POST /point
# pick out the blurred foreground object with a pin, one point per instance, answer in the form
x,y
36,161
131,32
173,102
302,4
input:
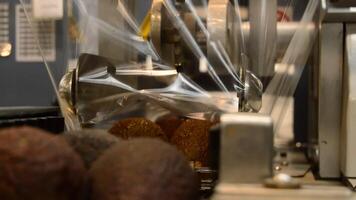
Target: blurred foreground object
x,y
143,169
37,165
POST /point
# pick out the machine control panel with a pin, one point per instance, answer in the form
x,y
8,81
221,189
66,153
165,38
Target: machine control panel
x,y
23,77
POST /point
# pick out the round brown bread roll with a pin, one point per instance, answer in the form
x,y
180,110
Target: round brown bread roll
x,y
90,143
142,168
137,127
192,138
36,165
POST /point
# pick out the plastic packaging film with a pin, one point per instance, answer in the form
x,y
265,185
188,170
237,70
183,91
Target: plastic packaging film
x,y
172,90
121,70
229,86
115,25
289,71
222,56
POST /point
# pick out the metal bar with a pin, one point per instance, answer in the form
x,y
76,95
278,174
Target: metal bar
x,y
330,92
246,148
263,34
348,137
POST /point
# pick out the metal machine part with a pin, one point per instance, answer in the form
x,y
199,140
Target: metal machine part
x,y
343,3
167,40
334,91
89,100
247,149
282,181
311,191
348,136
221,22
224,27
219,25
263,34
100,89
339,10
24,81
242,133
245,154
330,98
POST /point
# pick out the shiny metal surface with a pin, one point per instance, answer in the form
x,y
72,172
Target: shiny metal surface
x,y
91,99
246,148
309,191
156,23
282,181
247,139
222,26
96,101
66,88
219,23
340,15
100,90
5,49
291,161
253,93
348,137
6,112
343,3
335,13
285,32
263,35
330,98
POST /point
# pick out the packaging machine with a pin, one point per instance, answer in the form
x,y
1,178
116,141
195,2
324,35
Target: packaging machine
x,y
299,53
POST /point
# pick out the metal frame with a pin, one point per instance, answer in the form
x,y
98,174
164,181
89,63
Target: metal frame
x,y
329,95
348,137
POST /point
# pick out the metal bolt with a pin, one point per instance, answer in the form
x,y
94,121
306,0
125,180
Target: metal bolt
x,y
282,181
277,168
299,145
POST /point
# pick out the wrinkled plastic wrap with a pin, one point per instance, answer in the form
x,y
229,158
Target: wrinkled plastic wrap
x,y
145,77
120,72
123,68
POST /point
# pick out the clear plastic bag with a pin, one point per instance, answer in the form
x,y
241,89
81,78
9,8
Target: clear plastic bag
x,y
181,93
191,58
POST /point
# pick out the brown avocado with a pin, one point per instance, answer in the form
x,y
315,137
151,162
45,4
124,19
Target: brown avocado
x,y
90,143
37,165
143,168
